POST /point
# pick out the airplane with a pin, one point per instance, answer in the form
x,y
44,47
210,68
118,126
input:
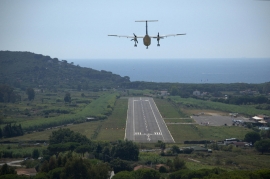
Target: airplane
x,y
146,38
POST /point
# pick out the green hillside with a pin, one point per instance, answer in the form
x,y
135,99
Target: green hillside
x,y
26,69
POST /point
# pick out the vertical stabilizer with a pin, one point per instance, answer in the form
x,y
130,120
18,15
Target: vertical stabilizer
x,y
146,23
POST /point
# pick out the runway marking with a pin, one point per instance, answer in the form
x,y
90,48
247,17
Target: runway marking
x,y
164,123
133,122
156,119
148,137
145,133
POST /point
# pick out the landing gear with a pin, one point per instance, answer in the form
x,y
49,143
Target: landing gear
x,y
158,41
146,47
135,45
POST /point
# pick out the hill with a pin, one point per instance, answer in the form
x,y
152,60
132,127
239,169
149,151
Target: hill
x,y
26,69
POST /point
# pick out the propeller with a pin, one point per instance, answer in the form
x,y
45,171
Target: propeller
x,y
135,38
158,38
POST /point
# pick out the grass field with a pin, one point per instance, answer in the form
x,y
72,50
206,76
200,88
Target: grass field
x,y
114,127
247,110
99,107
168,110
108,130
184,132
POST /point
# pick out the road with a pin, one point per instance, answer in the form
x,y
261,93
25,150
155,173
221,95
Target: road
x,y
13,163
144,122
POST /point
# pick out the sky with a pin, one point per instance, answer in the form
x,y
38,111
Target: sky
x,y
68,29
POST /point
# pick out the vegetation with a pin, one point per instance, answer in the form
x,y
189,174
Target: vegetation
x,y
263,145
203,104
252,137
39,94
24,69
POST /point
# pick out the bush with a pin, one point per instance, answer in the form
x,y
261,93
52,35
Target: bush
x,y
162,169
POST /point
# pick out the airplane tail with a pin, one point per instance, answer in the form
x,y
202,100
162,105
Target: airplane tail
x,y
146,23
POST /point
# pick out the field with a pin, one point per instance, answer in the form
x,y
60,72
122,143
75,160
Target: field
x,y
109,129
183,132
190,103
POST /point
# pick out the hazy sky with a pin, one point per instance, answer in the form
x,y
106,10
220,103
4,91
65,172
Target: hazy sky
x,y
68,29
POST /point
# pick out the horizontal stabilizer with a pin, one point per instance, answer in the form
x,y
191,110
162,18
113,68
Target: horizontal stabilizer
x,y
147,21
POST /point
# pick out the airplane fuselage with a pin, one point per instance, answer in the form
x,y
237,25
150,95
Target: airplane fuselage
x,y
146,40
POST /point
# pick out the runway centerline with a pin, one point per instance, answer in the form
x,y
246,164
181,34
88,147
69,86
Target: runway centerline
x,y
144,122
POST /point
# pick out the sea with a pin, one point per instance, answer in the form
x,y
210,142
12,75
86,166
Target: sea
x,y
242,70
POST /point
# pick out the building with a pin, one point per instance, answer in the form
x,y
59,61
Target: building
x,y
164,93
26,171
196,93
261,119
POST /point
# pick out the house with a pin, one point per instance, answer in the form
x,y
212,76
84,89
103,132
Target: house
x,y
164,93
241,144
261,119
26,171
196,93
141,166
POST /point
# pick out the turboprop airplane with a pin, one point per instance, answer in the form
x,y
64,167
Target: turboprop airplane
x,y
146,38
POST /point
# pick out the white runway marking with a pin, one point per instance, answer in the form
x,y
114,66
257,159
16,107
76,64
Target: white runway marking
x,y
144,123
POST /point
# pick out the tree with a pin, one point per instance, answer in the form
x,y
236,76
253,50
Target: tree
x,y
125,150
162,169
262,145
178,163
31,94
45,166
82,149
146,174
5,169
35,154
175,149
67,135
174,91
52,163
67,98
161,145
120,165
123,175
252,137
79,168
12,131
75,168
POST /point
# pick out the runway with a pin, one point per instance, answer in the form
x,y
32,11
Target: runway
x,y
144,122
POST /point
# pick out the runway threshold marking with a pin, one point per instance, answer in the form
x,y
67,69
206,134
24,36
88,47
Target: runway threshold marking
x,y
156,119
148,134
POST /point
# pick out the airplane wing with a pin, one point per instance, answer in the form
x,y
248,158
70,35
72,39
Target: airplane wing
x,y
126,36
169,35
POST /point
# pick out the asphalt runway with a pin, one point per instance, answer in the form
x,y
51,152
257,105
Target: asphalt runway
x,y
144,122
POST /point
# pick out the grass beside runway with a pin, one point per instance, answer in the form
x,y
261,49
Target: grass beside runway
x,y
183,132
116,120
114,127
168,110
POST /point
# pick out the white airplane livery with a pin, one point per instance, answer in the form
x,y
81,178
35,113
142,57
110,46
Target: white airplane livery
x,y
146,38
